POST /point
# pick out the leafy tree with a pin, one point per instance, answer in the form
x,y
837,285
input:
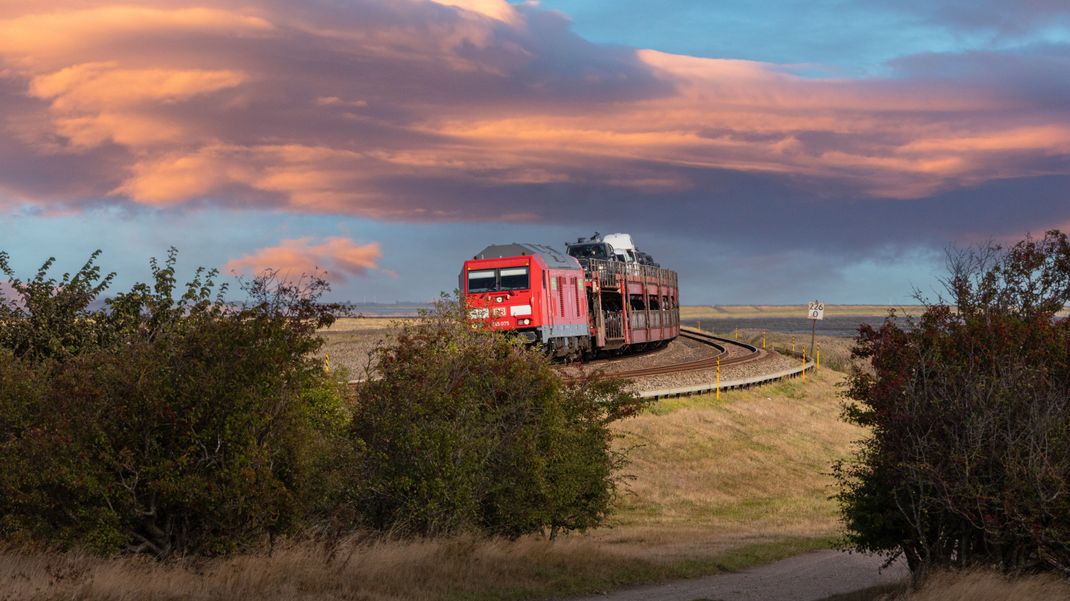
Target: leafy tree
x,y
468,429
52,318
969,408
171,422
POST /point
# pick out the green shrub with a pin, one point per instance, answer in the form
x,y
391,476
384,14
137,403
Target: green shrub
x,y
182,424
52,318
467,429
173,422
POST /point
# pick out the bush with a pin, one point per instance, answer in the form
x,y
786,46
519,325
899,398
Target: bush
x,y
468,429
172,422
52,318
164,423
969,406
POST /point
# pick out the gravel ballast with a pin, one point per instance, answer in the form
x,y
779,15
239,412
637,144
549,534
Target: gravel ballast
x,y
350,350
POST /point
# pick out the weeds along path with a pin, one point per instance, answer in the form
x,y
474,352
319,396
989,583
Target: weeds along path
x,y
809,577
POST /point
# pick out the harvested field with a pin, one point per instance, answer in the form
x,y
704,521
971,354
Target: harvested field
x,y
350,341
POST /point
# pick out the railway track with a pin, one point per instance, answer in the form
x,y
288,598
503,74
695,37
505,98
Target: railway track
x,y
723,356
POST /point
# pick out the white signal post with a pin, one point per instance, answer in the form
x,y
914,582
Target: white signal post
x,y
815,312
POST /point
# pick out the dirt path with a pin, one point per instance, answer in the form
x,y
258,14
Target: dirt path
x,y
807,577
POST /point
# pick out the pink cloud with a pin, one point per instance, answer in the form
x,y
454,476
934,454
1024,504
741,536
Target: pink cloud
x,y
495,9
420,110
341,258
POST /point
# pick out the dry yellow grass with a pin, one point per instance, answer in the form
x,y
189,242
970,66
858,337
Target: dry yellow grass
x,y
386,570
756,461
716,484
835,350
989,586
414,570
358,324
799,310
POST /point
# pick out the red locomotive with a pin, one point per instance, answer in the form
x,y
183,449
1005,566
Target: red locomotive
x,y
603,295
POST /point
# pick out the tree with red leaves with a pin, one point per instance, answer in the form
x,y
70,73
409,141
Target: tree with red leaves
x,y
969,408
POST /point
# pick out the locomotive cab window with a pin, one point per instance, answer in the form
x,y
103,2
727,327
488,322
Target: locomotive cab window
x,y
483,280
514,278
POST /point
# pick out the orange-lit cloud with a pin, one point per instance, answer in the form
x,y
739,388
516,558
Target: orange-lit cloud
x,y
38,34
341,258
435,110
495,9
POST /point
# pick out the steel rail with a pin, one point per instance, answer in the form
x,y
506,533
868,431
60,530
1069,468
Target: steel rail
x,y
721,357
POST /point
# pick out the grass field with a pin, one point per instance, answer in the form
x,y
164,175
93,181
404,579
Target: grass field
x,y
363,324
714,485
758,459
759,311
768,311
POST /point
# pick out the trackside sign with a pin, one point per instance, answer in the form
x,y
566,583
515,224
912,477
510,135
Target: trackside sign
x,y
816,310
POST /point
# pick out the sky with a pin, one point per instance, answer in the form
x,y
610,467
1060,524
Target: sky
x,y
770,152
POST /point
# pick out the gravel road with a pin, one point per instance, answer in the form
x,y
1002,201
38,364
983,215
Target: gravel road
x,y
807,577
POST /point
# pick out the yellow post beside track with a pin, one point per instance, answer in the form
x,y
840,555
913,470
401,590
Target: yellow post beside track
x,y
717,386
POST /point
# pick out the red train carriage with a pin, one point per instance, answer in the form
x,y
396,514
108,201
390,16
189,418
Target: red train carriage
x,y
633,306
572,305
532,289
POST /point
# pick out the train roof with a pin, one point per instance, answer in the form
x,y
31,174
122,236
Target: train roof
x,y
550,256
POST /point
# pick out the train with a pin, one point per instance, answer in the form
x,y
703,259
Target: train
x,y
601,296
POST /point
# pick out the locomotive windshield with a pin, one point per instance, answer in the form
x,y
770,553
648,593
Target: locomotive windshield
x,y
590,251
484,280
514,278
494,280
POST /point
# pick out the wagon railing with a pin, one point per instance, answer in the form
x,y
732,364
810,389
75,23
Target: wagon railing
x,y
614,324
637,321
609,274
